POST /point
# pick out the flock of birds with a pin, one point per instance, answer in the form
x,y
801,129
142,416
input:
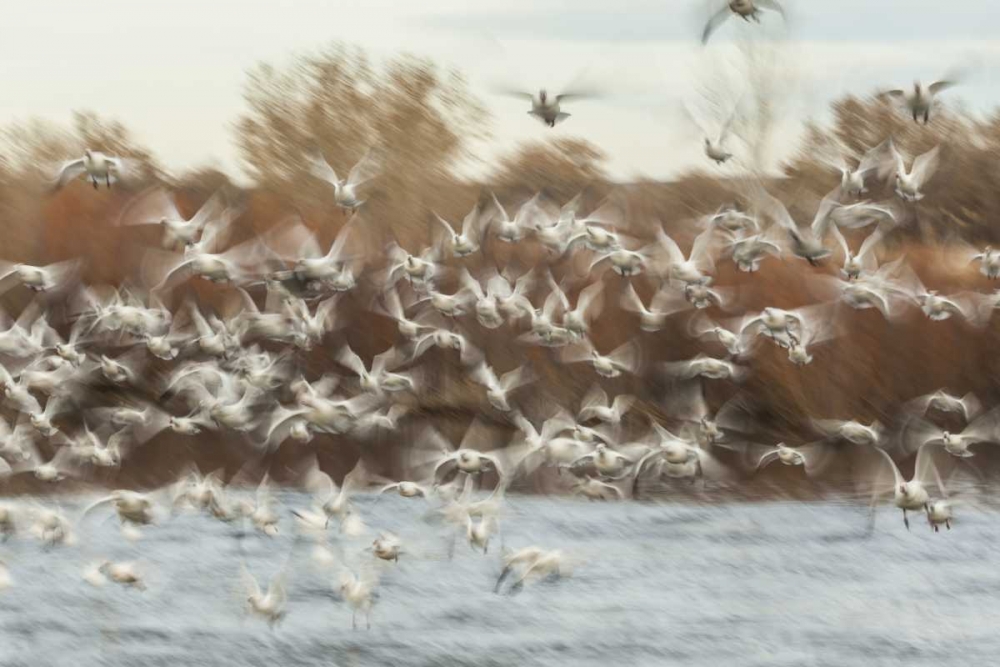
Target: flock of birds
x,y
91,374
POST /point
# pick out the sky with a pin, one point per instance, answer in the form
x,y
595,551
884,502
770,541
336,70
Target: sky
x,y
174,72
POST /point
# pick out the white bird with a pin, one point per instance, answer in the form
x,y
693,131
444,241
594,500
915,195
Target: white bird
x,y
97,166
157,207
488,300
124,573
512,230
748,10
748,252
589,304
702,365
909,184
358,590
498,389
989,261
921,100
532,564
854,181
49,278
269,605
468,457
595,405
665,302
714,147
345,191
813,458
467,241
806,241
626,358
547,108
968,406
982,429
852,431
698,265
864,260
908,495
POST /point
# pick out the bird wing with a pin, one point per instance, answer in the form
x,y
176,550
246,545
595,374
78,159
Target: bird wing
x,y
365,170
248,582
595,397
821,222
925,165
674,254
320,168
714,21
770,4
69,170
939,86
349,359
148,207
627,355
702,249
841,241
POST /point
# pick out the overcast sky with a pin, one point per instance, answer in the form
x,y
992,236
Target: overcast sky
x,y
174,72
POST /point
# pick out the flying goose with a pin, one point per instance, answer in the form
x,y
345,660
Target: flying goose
x,y
746,9
97,167
345,190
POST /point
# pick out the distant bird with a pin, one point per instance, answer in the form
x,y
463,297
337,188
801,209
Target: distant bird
x,y
714,144
921,100
548,108
745,9
97,166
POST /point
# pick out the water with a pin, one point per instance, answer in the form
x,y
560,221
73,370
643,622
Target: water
x,y
769,583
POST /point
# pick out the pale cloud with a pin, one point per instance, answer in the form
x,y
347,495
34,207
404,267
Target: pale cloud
x,y
175,73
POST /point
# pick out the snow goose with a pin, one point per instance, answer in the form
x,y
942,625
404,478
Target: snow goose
x,y
908,495
806,241
512,230
345,190
921,99
626,358
909,184
268,605
498,389
548,108
968,406
98,167
813,458
467,241
595,405
156,207
982,429
665,302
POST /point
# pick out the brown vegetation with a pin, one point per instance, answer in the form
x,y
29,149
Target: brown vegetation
x,y
424,122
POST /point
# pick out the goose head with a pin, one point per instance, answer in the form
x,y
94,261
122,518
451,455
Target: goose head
x,y
543,96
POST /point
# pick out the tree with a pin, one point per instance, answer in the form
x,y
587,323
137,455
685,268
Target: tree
x,y
418,119
561,168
